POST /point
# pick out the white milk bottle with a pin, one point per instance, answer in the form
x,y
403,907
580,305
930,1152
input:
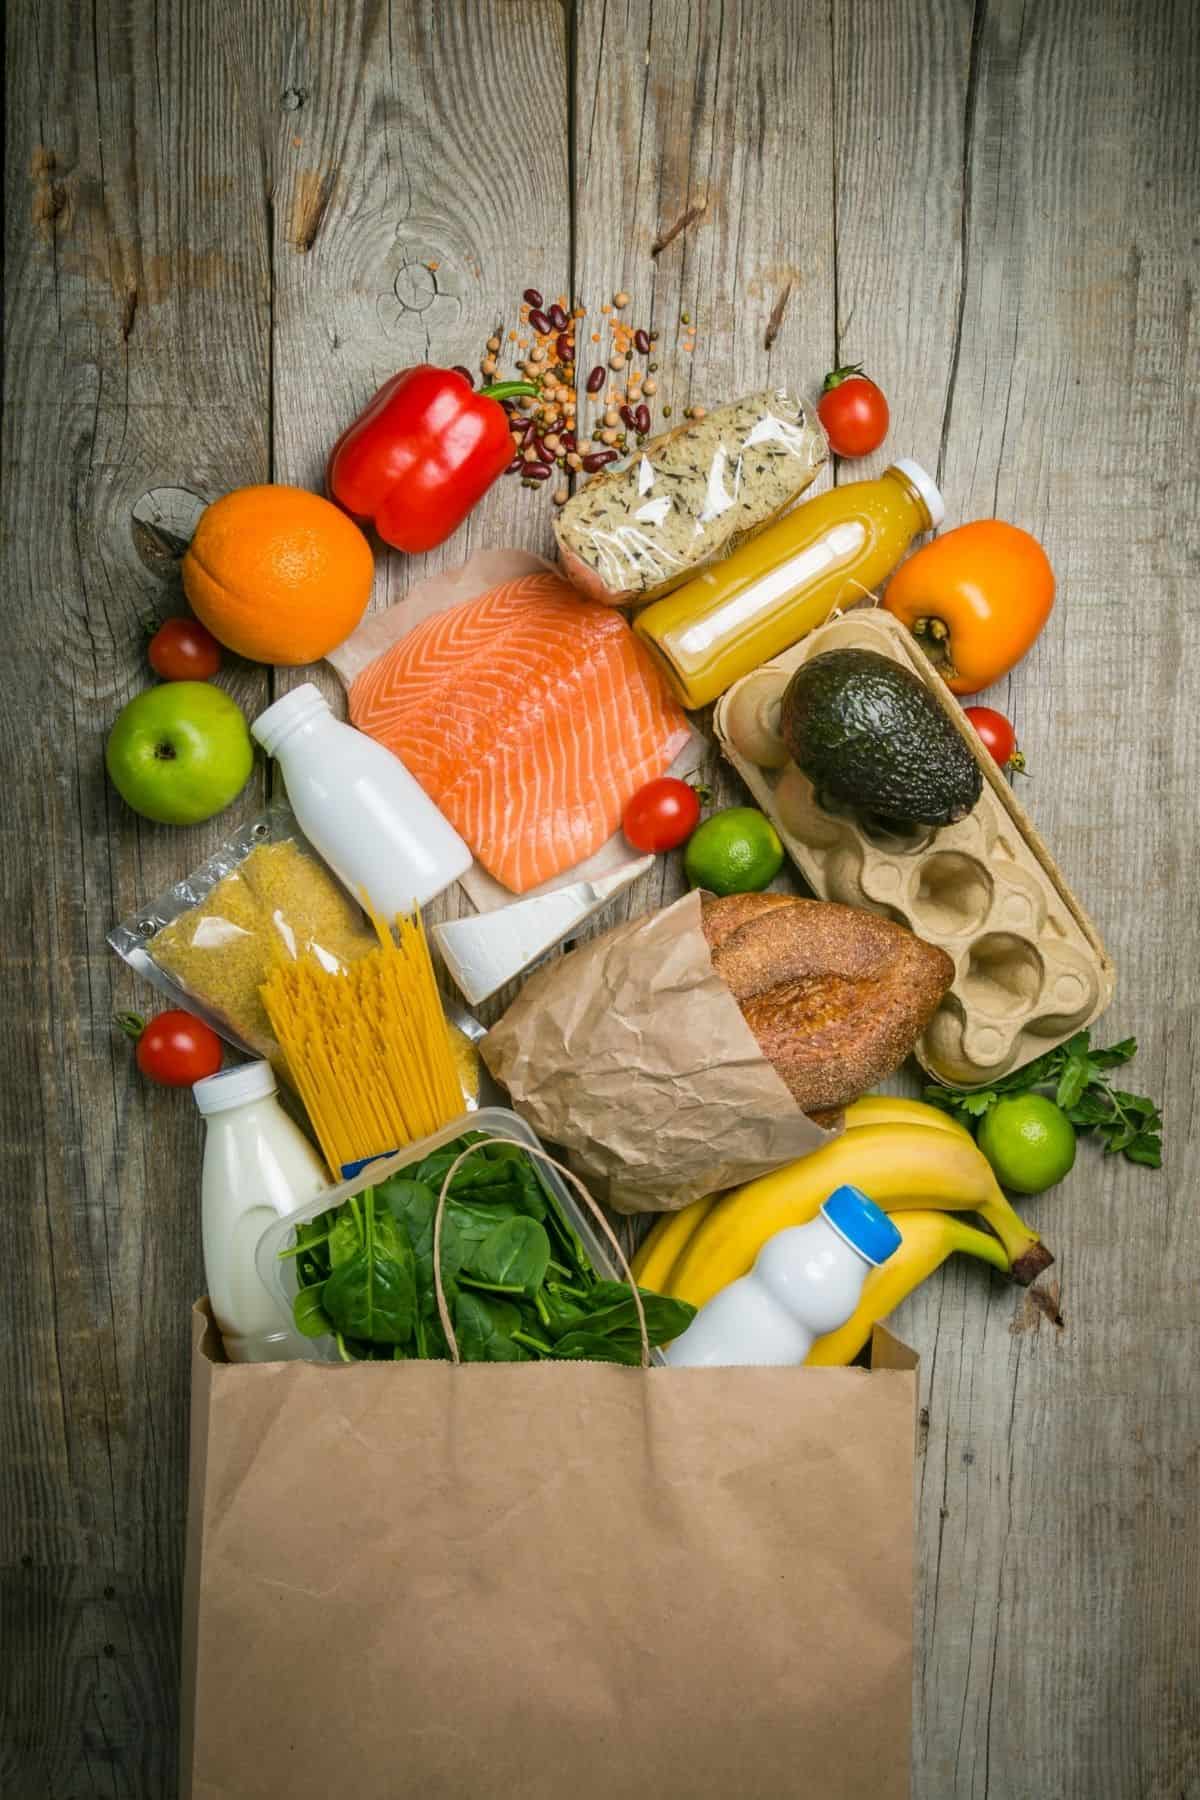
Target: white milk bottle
x,y
257,1164
806,1281
358,805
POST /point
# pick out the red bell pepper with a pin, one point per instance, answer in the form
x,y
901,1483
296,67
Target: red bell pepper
x,y
425,450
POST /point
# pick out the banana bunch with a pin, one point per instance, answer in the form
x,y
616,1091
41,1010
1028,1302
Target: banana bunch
x,y
916,1162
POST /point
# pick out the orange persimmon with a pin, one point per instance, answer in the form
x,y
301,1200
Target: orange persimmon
x,y
975,599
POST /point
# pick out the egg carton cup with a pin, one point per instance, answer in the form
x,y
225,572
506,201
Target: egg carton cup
x,y
1029,966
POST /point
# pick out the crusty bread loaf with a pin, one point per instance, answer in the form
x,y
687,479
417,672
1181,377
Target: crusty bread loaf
x,y
835,996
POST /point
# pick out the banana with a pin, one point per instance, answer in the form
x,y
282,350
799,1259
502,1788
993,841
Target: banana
x,y
893,1109
928,1239
659,1251
902,1167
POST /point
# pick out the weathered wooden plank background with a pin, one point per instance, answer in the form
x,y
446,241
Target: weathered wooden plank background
x,y
218,220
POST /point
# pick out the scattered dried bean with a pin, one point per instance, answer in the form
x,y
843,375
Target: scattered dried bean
x,y
642,341
532,296
537,471
599,460
595,380
558,317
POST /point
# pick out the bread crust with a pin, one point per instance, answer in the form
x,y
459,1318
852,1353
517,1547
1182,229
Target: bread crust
x,y
836,997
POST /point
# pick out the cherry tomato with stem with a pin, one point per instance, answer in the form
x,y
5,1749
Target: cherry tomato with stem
x,y
999,738
184,650
174,1049
854,411
662,815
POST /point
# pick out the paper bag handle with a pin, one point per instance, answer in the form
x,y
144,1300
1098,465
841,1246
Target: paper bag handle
x,y
581,1190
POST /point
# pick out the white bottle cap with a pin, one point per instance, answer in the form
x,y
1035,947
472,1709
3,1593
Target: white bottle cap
x,y
280,720
234,1087
924,483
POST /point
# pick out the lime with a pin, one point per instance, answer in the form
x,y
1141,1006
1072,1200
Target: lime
x,y
1029,1142
735,852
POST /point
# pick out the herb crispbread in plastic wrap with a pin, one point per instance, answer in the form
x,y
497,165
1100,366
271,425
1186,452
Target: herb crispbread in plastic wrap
x,y
683,499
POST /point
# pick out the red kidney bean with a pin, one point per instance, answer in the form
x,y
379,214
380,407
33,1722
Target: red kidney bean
x,y
595,380
564,349
641,419
537,471
543,454
558,317
628,418
540,322
517,462
641,341
568,440
599,460
532,296
457,369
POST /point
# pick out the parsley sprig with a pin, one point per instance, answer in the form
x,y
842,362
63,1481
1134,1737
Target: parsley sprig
x,y
1128,1124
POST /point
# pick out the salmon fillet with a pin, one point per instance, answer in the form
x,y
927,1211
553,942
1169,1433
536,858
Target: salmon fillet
x,y
531,717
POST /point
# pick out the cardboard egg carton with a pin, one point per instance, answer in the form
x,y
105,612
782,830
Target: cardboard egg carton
x,y
1029,966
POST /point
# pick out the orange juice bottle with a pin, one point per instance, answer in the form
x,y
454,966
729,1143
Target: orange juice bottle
x,y
784,582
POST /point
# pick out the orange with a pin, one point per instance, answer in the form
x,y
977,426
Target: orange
x,y
278,574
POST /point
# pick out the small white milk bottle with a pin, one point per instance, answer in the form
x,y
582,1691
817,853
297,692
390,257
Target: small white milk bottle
x,y
806,1281
257,1164
358,805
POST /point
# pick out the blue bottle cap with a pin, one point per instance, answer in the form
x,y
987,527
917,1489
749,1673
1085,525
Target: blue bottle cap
x,y
865,1226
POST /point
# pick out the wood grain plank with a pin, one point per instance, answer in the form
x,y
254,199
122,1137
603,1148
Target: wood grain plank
x,y
703,186
1017,258
421,186
136,359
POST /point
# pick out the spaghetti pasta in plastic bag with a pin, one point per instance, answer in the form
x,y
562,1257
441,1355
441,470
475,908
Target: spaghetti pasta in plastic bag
x,y
213,938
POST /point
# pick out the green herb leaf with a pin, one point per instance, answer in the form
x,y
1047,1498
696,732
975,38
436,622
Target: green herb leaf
x,y
1127,1124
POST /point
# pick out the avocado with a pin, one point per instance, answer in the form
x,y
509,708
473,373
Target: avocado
x,y
866,731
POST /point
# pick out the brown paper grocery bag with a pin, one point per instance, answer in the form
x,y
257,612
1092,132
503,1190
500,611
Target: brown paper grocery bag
x,y
546,1580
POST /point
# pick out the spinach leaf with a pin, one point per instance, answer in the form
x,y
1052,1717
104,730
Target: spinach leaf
x,y
309,1316
560,1312
346,1236
484,1330
463,1230
372,1294
589,1346
413,1205
514,1254
612,1317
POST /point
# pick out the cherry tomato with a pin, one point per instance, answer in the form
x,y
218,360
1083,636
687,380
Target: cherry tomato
x,y
184,650
174,1048
975,600
853,411
999,738
662,815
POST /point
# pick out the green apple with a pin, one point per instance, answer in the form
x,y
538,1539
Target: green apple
x,y
180,753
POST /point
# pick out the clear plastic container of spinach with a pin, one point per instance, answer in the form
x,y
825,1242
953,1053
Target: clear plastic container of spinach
x,y
526,1276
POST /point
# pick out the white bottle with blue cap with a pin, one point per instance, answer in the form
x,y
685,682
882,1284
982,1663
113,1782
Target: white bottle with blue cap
x,y
806,1281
